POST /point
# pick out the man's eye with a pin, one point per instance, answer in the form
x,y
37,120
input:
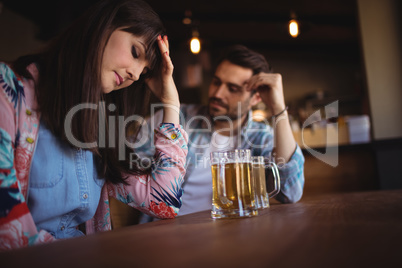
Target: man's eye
x,y
233,89
134,52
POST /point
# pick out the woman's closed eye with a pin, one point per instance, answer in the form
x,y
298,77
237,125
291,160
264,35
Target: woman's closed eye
x,y
134,52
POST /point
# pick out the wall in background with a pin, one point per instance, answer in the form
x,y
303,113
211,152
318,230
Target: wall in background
x,y
381,37
17,35
309,72
381,44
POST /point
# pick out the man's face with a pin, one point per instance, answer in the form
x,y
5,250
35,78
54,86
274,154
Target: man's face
x,y
228,90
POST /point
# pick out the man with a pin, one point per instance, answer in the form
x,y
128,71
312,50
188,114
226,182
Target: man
x,y
242,79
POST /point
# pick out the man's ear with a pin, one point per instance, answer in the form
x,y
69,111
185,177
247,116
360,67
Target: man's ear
x,y
255,99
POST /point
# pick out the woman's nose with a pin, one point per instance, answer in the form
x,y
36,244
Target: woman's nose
x,y
135,73
132,74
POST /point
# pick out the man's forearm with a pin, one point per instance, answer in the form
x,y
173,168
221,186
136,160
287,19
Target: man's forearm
x,y
285,143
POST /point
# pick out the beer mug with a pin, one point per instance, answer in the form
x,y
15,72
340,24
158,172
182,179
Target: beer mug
x,y
259,167
233,192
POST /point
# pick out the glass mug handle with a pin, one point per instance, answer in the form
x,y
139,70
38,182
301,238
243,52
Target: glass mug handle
x,y
277,179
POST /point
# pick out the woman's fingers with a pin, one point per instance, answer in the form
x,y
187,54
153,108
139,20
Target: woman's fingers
x,y
165,39
167,65
168,62
160,44
163,44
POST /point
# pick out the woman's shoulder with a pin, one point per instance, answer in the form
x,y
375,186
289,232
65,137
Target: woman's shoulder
x,y
7,75
16,88
11,84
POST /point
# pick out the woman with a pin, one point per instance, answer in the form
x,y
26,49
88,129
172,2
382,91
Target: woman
x,y
63,123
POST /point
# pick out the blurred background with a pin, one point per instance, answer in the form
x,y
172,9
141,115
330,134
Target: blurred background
x,y
347,53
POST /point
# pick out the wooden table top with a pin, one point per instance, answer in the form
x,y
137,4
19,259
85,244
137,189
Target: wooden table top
x,y
362,229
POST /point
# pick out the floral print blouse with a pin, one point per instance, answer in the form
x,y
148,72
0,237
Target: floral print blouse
x,y
157,194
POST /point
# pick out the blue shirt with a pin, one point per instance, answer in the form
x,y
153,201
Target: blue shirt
x,y
64,187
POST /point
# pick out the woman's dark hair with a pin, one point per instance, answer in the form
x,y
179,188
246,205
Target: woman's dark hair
x,y
70,74
245,57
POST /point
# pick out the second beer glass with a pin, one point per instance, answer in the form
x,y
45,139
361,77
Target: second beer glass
x,y
259,174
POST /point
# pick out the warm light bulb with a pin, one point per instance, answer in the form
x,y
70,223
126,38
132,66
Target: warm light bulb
x,y
195,45
293,28
187,21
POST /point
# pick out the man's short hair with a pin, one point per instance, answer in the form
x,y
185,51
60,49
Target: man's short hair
x,y
247,58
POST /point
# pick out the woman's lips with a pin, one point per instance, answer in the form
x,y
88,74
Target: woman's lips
x,y
119,79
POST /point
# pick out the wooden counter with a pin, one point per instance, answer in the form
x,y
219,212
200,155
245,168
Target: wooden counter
x,y
359,229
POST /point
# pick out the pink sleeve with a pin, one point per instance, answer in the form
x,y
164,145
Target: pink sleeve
x,y
17,228
158,193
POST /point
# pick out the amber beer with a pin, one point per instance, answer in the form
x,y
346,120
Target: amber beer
x,y
259,167
234,192
260,185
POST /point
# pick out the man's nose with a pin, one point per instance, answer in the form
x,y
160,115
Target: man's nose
x,y
220,91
